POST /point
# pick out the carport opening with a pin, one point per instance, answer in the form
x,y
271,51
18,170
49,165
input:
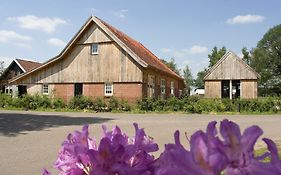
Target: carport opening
x,y
230,89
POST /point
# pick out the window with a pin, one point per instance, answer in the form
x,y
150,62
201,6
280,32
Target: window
x,y
108,89
172,88
163,86
45,89
94,49
78,89
151,86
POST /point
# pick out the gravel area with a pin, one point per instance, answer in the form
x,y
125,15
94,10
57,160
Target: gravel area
x,y
29,141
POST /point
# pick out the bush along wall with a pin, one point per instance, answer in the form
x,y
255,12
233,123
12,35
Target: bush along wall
x,y
191,104
34,102
195,104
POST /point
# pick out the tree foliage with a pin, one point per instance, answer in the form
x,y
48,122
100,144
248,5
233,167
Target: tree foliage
x,y
266,60
215,55
271,45
199,82
188,79
172,65
246,55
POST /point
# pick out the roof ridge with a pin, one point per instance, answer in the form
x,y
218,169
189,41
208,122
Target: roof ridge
x,y
132,41
20,59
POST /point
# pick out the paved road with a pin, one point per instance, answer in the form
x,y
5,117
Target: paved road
x,y
30,141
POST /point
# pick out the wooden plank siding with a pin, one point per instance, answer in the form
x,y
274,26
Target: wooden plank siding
x,y
231,68
111,64
213,89
249,89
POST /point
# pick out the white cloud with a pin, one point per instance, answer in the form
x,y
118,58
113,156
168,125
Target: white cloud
x,y
48,25
9,36
121,13
196,49
245,19
56,42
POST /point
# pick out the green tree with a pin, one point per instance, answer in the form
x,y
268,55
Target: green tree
x,y
246,55
215,55
199,81
172,65
188,79
266,60
271,44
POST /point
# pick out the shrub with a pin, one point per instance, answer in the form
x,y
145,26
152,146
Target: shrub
x,y
174,104
146,104
5,100
58,103
113,104
81,102
99,105
124,105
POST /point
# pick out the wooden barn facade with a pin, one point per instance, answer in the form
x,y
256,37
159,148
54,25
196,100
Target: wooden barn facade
x,y
101,61
231,78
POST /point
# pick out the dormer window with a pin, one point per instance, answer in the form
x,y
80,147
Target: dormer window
x,y
94,49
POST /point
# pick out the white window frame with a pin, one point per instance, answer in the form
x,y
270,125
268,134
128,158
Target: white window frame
x,y
45,89
107,87
94,49
163,86
172,88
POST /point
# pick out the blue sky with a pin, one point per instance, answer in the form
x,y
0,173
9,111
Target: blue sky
x,y
181,29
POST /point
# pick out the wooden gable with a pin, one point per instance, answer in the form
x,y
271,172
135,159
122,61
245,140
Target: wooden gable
x,y
78,65
231,67
121,59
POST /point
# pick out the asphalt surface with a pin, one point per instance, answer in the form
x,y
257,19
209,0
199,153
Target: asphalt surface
x,y
29,141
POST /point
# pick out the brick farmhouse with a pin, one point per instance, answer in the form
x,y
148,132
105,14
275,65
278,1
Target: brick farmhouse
x,y
101,61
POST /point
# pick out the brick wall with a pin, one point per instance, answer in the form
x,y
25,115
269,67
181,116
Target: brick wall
x,y
64,91
93,90
127,91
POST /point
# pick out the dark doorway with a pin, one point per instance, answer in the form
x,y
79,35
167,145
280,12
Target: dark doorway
x,y
22,90
225,89
78,89
235,89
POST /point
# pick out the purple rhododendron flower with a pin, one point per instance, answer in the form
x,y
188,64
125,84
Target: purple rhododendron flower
x,y
275,161
231,153
116,154
204,158
240,150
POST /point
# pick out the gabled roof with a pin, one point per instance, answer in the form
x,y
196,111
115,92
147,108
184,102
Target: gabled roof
x,y
136,50
27,65
246,67
24,65
140,50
